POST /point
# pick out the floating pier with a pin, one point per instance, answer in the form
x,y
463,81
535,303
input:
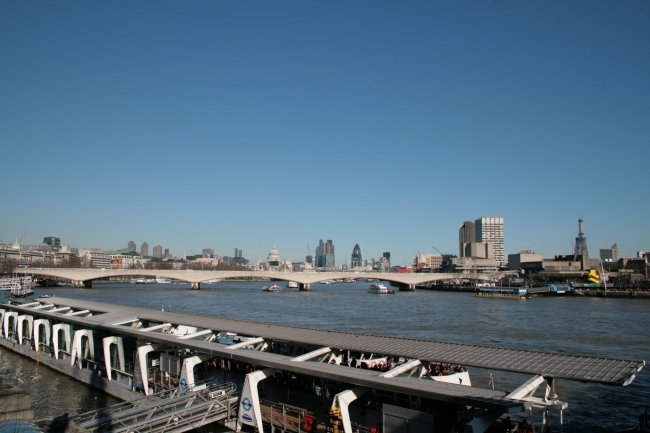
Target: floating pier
x,y
134,352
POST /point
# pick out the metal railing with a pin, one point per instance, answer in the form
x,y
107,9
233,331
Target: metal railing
x,y
287,418
172,411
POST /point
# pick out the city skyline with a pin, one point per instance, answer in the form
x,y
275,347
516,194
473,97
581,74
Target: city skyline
x,y
466,233
225,125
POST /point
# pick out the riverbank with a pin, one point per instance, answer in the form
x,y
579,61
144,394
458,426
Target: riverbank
x,y
638,294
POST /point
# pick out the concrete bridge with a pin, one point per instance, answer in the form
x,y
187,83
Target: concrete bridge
x,y
84,277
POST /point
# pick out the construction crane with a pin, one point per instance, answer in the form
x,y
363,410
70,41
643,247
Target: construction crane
x,y
438,251
21,238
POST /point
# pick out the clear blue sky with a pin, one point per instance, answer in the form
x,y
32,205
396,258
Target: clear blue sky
x,y
243,124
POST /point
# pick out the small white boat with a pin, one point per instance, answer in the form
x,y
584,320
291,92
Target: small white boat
x,y
46,296
378,289
163,280
272,288
292,285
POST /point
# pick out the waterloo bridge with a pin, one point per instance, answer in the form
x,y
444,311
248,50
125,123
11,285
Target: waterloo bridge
x,y
82,277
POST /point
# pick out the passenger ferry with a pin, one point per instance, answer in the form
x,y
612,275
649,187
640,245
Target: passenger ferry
x,y
292,285
503,293
162,280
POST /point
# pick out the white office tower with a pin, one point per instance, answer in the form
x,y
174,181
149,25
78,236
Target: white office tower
x,y
491,230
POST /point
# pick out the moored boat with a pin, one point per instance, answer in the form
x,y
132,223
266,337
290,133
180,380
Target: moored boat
x,y
163,280
22,292
19,286
292,285
503,293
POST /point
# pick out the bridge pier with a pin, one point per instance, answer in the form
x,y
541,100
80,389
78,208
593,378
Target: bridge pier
x,y
305,287
407,288
85,284
196,286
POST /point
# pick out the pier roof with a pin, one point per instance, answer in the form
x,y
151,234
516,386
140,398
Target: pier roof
x,y
547,364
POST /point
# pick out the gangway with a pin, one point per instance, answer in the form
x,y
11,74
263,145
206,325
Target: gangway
x,y
175,410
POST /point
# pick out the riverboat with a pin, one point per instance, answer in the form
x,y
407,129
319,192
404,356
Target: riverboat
x,y
163,280
272,288
21,287
503,293
46,282
292,285
378,289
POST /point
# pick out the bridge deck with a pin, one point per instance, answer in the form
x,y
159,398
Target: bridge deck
x,y
548,364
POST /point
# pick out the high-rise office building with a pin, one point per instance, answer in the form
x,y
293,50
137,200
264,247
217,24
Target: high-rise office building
x,y
329,255
144,250
325,254
491,230
580,248
157,251
132,246
329,247
238,252
356,260
466,234
167,255
207,252
52,241
386,255
320,254
610,254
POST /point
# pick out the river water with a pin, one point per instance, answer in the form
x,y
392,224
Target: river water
x,y
617,328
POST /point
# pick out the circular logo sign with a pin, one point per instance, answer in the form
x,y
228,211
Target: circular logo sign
x,y
246,404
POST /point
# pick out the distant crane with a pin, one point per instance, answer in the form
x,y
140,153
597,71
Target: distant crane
x,y
438,251
21,238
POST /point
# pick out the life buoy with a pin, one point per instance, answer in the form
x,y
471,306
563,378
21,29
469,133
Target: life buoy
x,y
307,423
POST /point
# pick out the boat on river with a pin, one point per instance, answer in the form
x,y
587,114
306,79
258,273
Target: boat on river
x,y
272,288
21,287
503,293
292,285
378,289
163,280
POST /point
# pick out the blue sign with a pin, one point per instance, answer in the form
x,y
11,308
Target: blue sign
x,y
246,404
183,384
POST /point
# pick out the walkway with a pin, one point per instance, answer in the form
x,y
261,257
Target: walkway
x,y
173,411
